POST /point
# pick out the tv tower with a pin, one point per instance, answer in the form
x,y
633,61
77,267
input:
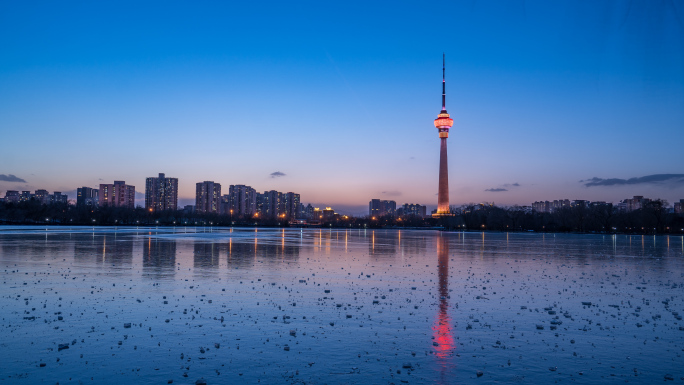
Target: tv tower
x,y
443,124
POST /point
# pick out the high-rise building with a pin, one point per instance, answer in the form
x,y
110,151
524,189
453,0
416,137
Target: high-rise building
x,y
542,206
549,207
161,193
292,204
273,204
224,205
374,208
443,124
559,204
207,197
679,207
86,196
42,196
242,200
260,199
25,196
58,197
410,209
282,205
378,208
118,194
12,196
635,203
309,211
328,214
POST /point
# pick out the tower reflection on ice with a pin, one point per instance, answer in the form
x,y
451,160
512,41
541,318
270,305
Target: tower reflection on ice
x,y
442,332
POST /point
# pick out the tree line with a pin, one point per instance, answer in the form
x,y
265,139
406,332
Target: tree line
x,y
653,218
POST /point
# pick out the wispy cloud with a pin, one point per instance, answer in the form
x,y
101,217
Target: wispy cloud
x,y
11,178
277,174
504,187
392,193
674,179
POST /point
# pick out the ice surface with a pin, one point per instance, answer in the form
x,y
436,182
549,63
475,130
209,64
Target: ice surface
x,y
243,305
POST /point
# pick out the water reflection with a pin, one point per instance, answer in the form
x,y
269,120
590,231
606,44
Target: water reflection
x,y
103,249
442,330
36,246
159,258
206,255
246,254
384,243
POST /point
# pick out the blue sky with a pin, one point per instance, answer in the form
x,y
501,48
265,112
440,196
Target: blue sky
x,y
340,97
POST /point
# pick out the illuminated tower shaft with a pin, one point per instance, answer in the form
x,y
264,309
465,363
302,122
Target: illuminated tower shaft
x,y
443,193
443,124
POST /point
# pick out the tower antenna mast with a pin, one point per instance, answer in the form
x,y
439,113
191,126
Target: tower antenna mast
x,y
443,82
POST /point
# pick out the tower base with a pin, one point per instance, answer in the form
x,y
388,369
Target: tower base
x,y
442,215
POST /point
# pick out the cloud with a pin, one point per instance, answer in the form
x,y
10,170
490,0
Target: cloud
x,y
277,174
139,195
392,193
505,187
648,179
11,178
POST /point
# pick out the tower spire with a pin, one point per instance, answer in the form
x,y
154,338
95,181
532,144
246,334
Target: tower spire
x,y
443,82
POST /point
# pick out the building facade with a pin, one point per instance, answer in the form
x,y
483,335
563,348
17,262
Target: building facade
x,y
378,208
58,197
161,193
551,206
410,209
42,196
118,194
12,196
273,204
242,201
207,197
292,205
86,196
25,196
635,203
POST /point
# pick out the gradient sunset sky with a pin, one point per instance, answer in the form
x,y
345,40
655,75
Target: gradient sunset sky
x,y
335,100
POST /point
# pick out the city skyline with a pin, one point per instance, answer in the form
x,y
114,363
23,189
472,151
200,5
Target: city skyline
x,y
550,101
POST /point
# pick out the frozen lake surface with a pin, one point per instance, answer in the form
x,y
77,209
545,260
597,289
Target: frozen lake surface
x,y
316,306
